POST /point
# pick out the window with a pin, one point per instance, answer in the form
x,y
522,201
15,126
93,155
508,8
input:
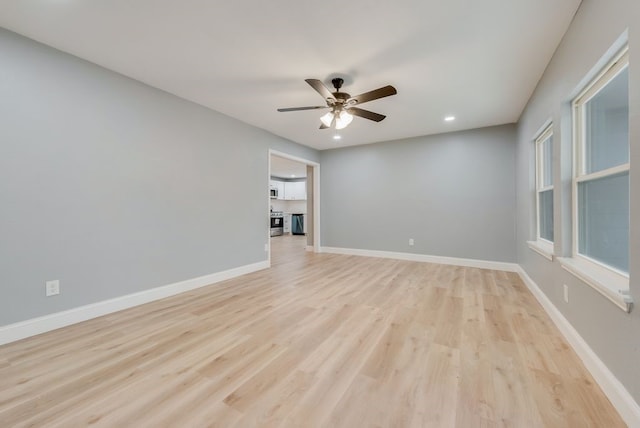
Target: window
x,y
544,185
601,169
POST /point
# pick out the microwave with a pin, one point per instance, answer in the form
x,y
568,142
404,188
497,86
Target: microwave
x,y
273,193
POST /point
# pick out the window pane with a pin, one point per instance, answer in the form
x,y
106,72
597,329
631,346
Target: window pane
x,y
547,165
603,220
545,206
607,125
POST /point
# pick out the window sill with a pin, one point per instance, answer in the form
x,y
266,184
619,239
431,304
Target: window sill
x,y
611,285
542,248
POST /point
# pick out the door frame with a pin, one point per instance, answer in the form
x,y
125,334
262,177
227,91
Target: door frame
x,y
315,197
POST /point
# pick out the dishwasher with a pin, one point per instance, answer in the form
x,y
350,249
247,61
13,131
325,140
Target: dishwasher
x,y
297,224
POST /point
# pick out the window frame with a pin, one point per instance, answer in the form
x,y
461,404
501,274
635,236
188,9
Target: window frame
x,y
607,280
546,134
619,63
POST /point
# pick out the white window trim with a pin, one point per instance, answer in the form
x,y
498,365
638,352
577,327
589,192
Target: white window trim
x,y
541,246
607,280
611,285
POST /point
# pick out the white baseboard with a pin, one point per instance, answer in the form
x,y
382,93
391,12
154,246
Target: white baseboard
x,y
611,386
482,264
23,329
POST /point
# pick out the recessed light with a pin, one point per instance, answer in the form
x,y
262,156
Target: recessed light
x,y
336,137
293,176
450,118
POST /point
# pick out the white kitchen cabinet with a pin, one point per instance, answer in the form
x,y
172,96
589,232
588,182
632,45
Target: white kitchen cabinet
x,y
295,190
281,191
279,185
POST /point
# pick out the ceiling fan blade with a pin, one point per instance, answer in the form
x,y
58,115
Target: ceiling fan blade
x,y
373,95
376,117
301,108
320,88
323,126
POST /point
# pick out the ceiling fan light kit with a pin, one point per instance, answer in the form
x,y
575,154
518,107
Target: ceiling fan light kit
x,y
342,105
327,119
343,119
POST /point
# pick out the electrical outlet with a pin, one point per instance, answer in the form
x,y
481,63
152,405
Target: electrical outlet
x,y
266,248
410,241
566,293
52,287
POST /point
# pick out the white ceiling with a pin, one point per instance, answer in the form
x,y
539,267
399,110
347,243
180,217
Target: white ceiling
x,y
477,60
286,168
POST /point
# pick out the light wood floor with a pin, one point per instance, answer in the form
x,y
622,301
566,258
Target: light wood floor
x,y
318,340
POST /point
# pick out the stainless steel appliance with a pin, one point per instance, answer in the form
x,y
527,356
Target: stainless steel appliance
x,y
277,223
297,224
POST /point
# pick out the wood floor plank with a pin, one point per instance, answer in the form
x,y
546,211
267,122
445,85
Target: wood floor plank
x,y
439,386
551,392
316,340
514,405
448,328
336,371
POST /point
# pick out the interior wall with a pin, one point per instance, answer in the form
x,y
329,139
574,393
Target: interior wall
x,y
453,194
611,333
309,219
114,187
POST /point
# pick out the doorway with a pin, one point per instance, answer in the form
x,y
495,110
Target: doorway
x,y
293,204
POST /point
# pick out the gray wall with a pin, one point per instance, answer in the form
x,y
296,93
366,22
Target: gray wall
x,y
454,194
612,334
114,187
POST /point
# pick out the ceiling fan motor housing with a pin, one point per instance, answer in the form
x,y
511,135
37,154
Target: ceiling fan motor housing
x,y
340,97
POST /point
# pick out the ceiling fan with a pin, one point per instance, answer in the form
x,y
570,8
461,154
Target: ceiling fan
x,y
342,105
